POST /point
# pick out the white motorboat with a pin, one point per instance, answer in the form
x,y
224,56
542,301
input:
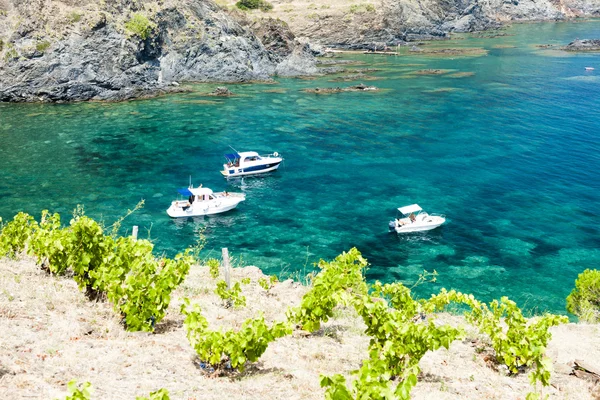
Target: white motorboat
x,y
408,221
203,201
250,163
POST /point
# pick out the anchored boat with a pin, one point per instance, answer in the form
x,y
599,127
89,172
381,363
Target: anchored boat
x,y
250,163
408,221
203,201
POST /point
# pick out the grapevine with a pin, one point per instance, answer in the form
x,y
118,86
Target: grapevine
x,y
221,349
332,286
16,235
230,297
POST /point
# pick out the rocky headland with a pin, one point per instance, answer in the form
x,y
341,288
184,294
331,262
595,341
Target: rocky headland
x,y
71,50
370,24
119,49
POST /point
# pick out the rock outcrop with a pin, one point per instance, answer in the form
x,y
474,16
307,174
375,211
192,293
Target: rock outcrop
x,y
372,24
119,49
583,45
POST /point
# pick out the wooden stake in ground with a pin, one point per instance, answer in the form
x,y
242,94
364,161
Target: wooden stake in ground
x,y
226,267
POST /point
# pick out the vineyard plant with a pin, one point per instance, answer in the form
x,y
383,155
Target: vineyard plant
x,y
401,328
122,269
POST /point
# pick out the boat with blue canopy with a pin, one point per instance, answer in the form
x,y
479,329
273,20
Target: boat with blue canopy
x,y
250,163
203,201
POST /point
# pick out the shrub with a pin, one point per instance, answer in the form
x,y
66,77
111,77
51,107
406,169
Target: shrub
x,y
42,46
584,300
16,234
140,25
74,17
254,5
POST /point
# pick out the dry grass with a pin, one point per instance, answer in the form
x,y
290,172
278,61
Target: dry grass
x,y
51,334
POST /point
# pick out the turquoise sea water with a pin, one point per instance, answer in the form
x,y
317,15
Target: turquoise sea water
x,y
509,153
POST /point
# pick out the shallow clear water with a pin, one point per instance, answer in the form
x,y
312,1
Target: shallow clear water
x,y
509,154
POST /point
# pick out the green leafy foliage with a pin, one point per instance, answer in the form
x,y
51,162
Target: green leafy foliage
x,y
231,297
74,17
89,250
268,284
138,284
213,267
50,244
254,5
333,285
79,393
234,348
246,281
399,339
84,393
42,46
16,235
161,394
140,25
519,343
584,300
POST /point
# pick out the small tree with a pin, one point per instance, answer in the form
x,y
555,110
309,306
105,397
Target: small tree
x,y
584,300
139,25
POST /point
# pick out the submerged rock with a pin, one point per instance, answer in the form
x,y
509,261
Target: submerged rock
x,y
583,45
221,91
357,88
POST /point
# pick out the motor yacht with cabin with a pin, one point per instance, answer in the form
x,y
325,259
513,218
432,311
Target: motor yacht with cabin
x,y
407,221
203,201
250,163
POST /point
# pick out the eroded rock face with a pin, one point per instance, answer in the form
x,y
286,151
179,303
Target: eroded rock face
x,y
393,22
71,51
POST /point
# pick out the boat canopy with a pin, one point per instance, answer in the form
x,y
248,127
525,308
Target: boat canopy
x,y
409,209
232,156
195,191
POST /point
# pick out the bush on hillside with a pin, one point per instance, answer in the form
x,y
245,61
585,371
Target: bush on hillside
x,y
139,25
584,300
254,5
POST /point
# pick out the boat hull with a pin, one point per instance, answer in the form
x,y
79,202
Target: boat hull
x,y
218,206
420,226
250,170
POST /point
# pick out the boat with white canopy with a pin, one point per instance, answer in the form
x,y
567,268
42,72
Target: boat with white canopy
x,y
408,221
203,201
250,163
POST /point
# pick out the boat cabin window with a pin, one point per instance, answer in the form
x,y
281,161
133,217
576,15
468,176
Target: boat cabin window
x,y
251,158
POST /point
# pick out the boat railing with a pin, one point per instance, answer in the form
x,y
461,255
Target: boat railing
x,y
229,194
271,155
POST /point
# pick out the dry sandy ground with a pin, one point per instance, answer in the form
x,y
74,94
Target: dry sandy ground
x,y
50,334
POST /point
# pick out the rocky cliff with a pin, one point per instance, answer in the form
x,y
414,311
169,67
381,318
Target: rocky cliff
x,y
69,50
65,50
368,23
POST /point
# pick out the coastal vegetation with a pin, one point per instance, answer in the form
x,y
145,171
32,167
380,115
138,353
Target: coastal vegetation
x,y
140,25
401,328
120,269
262,5
584,300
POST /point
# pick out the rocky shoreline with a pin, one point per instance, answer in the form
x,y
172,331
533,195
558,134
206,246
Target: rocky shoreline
x,y
63,51
99,58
